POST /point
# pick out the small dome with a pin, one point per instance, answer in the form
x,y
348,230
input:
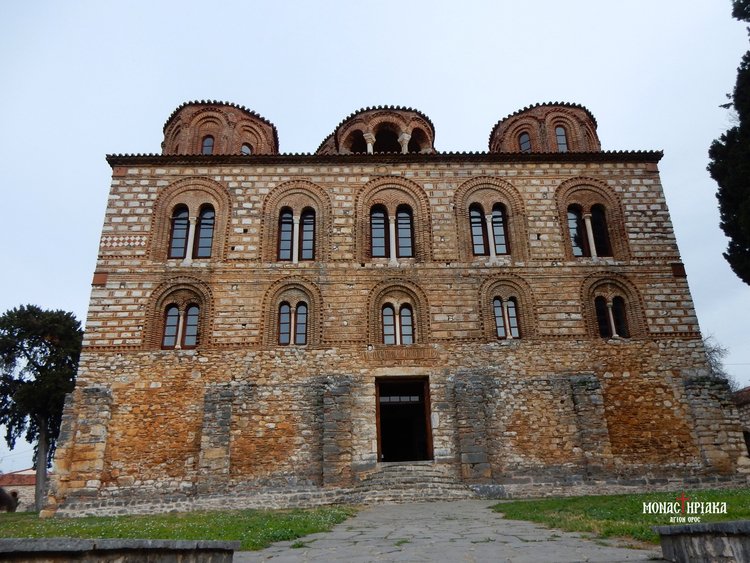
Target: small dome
x,y
210,127
548,127
381,129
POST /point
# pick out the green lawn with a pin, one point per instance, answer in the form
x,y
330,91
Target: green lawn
x,y
620,515
256,529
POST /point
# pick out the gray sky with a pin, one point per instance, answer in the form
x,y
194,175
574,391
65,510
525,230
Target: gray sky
x,y
81,79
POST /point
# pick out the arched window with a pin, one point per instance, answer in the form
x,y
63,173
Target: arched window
x,y
386,139
379,243
179,235
207,145
300,331
506,317
205,232
405,236
524,142
611,317
286,228
577,229
499,229
562,139
307,235
181,327
600,231
478,230
246,149
407,325
285,324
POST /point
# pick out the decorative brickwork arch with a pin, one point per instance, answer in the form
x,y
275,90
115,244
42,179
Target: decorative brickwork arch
x,y
180,291
398,292
487,192
192,193
510,141
507,286
578,131
296,196
292,290
586,194
390,193
609,286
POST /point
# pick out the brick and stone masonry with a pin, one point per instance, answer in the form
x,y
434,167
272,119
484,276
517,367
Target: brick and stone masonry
x,y
196,381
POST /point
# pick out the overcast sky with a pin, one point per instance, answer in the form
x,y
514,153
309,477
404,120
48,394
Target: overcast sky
x,y
81,79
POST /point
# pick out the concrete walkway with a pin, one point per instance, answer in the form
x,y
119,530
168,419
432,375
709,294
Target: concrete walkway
x,y
443,531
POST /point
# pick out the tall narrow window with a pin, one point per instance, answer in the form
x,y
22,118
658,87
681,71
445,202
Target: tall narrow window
x,y
562,139
286,226
619,317
499,232
246,149
602,317
577,229
389,325
307,235
513,318
524,142
407,325
207,145
285,324
300,328
478,230
599,228
497,309
379,232
190,327
404,225
205,234
179,235
171,323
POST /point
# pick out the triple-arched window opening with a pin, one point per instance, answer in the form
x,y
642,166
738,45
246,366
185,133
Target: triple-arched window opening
x,y
192,238
589,233
296,235
489,233
391,237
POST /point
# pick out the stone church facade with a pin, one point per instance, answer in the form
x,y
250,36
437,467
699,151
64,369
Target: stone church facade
x,y
333,325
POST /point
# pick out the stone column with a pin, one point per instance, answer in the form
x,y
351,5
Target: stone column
x,y
403,139
392,240
370,140
295,239
590,234
190,241
490,237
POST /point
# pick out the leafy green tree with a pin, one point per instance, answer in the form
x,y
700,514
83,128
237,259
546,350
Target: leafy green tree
x,y
39,353
730,166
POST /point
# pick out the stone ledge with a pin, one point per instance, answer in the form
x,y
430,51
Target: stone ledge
x,y
718,542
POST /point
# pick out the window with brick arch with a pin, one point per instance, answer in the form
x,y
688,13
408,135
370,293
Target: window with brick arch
x,y
561,137
524,142
204,232
179,232
479,243
207,145
307,234
405,232
500,229
397,324
285,234
577,229
600,230
589,232
506,318
611,317
379,236
246,149
181,327
293,324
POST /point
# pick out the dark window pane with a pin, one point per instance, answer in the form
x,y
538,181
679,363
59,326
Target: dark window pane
x,y
171,320
190,329
179,236
498,229
620,317
599,228
379,232
205,235
577,231
207,147
602,317
478,230
246,149
524,142
285,323
407,325
497,308
404,227
513,318
562,139
307,235
300,331
389,325
286,226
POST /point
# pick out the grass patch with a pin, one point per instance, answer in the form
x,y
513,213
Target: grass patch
x,y
620,515
255,529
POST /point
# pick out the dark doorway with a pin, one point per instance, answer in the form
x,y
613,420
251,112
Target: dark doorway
x,y
403,414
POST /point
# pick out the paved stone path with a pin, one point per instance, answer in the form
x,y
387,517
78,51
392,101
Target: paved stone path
x,y
460,531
